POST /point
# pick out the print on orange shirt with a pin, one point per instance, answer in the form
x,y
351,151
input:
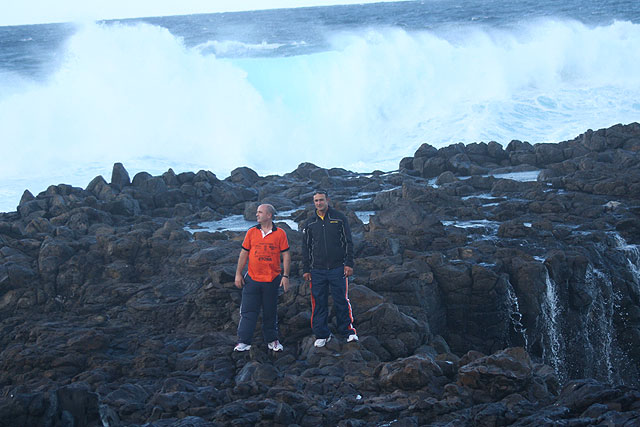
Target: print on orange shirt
x,y
264,253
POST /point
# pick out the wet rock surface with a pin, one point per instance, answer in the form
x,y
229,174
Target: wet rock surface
x,y
493,286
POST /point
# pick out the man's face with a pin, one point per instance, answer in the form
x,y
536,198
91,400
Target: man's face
x,y
321,202
262,214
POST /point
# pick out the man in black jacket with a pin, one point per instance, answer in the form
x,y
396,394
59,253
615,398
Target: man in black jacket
x,y
327,260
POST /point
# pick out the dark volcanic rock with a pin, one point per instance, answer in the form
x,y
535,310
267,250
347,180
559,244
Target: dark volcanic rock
x,y
120,176
485,298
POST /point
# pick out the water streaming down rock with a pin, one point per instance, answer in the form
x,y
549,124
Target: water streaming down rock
x,y
632,253
554,347
623,312
515,315
599,330
585,318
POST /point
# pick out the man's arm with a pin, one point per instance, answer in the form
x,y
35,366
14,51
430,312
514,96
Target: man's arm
x,y
286,269
306,247
348,250
242,262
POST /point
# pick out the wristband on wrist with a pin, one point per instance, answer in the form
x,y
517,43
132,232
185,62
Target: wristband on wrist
x,y
284,275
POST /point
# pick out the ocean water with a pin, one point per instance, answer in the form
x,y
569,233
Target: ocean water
x,y
358,86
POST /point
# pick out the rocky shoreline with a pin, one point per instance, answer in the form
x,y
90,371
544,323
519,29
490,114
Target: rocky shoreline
x,y
493,286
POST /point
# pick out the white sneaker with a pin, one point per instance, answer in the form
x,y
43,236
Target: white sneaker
x,y
275,346
242,347
352,337
320,342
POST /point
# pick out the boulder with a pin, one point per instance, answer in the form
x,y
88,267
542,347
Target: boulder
x,y
119,177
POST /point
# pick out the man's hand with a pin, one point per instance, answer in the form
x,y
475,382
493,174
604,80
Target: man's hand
x,y
242,262
306,277
285,283
239,281
348,271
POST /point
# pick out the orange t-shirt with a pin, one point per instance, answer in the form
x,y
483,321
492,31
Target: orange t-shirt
x,y
264,252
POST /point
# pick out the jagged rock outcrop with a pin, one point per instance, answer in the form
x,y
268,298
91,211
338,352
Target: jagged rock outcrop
x,y
493,286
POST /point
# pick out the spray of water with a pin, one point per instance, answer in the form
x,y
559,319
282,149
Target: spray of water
x,y
137,94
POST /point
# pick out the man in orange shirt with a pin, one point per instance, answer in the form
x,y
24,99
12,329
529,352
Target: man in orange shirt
x,y
262,247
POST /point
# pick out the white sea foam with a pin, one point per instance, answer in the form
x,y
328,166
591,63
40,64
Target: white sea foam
x,y
135,94
527,176
233,47
474,223
364,216
234,223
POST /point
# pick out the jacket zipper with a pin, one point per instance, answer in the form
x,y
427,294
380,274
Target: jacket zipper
x,y
326,249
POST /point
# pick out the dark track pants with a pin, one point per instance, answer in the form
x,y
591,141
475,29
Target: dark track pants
x,y
257,296
324,281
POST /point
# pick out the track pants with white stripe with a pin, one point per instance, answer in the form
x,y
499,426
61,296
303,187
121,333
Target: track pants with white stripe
x,y
323,282
257,296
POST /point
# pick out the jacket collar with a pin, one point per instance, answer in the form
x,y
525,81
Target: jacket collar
x,y
326,214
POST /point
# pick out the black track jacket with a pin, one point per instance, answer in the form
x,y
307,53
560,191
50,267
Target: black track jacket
x,y
327,243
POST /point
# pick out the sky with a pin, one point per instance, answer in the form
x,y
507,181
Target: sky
x,y
23,12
